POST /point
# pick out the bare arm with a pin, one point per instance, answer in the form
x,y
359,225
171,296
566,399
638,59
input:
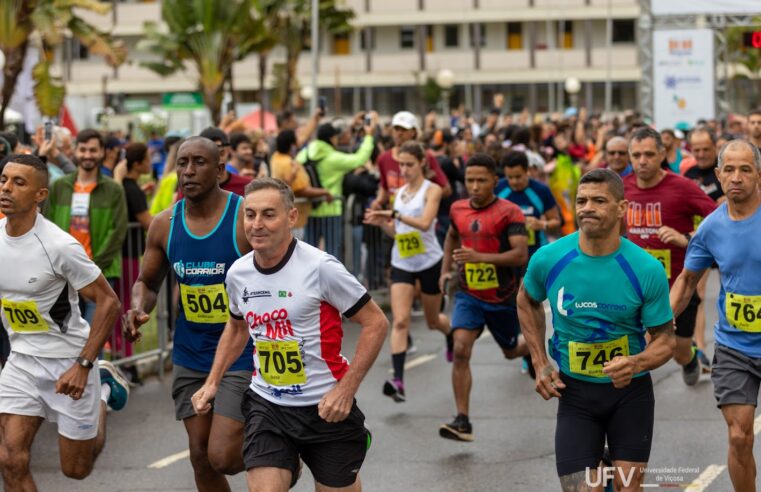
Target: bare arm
x,y
517,255
336,404
231,345
683,289
304,133
152,273
451,241
622,369
145,218
533,327
74,380
431,209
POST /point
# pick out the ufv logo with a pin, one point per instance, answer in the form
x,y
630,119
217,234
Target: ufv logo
x,y
566,301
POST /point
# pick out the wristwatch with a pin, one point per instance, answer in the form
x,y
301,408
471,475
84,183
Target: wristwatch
x,y
395,214
87,364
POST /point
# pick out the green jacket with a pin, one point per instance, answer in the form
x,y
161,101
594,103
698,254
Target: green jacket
x,y
332,167
108,219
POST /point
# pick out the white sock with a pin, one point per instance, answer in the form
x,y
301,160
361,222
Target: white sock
x,y
105,392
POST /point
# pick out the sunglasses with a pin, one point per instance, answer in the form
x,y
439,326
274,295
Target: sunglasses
x,y
616,152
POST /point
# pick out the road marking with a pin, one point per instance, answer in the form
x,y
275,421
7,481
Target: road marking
x,y
164,462
713,471
419,361
704,480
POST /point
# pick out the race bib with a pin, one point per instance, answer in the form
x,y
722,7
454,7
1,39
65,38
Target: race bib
x,y
205,303
80,204
531,236
743,312
280,362
481,276
410,244
24,316
664,256
589,358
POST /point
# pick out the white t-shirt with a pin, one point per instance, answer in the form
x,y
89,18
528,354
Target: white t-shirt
x,y
41,274
293,312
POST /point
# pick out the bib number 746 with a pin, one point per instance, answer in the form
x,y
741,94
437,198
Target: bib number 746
x,y
589,359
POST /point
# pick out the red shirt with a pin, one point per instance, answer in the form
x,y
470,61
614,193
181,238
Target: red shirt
x,y
391,178
487,230
674,202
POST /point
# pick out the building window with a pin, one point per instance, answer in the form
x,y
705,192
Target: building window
x,y
514,36
78,50
407,37
341,44
452,36
482,41
623,31
367,39
565,35
429,38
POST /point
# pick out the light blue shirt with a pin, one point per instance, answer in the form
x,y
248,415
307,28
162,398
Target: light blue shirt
x,y
735,245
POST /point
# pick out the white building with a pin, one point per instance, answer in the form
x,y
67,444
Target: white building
x,y
525,50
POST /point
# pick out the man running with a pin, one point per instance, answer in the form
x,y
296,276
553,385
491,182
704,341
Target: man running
x,y
660,219
199,238
49,374
730,237
605,292
290,297
487,239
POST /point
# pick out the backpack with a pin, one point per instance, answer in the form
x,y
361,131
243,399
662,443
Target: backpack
x,y
310,166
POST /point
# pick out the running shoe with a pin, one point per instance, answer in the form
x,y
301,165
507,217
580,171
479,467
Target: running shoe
x,y
459,429
450,348
111,376
411,348
704,362
394,388
691,371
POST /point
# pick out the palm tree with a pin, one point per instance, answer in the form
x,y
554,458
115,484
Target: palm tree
x,y
210,34
293,27
46,23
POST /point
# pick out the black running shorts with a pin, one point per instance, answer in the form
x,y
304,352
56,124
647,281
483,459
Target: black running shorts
x,y
685,322
590,412
276,436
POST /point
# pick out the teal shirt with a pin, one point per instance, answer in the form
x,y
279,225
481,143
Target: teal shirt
x,y
597,299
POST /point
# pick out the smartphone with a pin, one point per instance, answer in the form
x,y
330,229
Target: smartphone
x,y
368,119
48,130
322,102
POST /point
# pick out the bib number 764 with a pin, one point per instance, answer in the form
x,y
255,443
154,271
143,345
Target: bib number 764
x,y
743,312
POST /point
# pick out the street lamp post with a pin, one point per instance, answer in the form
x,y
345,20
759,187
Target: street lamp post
x,y
315,52
445,80
572,87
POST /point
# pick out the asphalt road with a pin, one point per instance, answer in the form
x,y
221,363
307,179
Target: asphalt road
x,y
514,432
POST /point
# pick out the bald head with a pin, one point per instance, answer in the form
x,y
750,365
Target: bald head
x,y
741,145
616,142
201,143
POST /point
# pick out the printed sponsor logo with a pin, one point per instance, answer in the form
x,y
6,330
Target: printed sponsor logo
x,y
254,294
198,268
276,323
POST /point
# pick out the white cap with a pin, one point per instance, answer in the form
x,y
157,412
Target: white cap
x,y
405,119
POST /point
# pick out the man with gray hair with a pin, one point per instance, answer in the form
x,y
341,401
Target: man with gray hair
x,y
729,237
703,146
617,156
662,206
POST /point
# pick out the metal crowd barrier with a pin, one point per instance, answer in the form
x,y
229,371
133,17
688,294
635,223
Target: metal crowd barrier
x,y
155,343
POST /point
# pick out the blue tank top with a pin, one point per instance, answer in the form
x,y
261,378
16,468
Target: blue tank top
x,y
201,264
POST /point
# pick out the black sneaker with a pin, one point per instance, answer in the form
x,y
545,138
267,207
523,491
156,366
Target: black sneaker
x,y
394,389
459,429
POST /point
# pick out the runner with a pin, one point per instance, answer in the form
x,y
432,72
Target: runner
x,y
660,219
416,256
200,238
487,239
604,293
53,349
754,127
730,237
617,156
290,297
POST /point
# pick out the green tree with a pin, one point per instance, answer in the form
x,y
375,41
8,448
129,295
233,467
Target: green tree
x,y
210,34
749,59
47,22
292,28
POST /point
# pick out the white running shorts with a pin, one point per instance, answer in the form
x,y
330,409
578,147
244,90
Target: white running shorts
x,y
27,387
